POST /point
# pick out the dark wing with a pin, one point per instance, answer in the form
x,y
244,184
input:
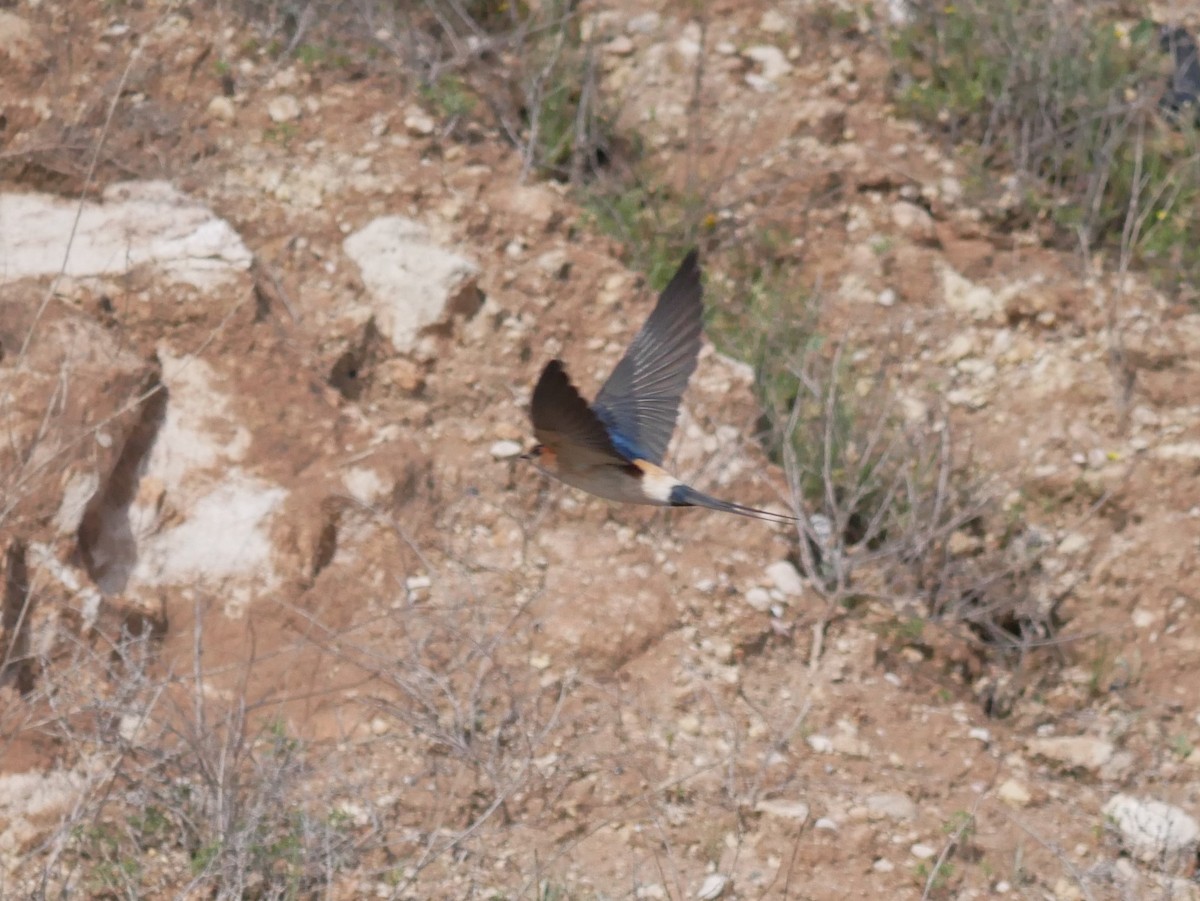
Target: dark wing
x,y
1183,87
640,400
563,420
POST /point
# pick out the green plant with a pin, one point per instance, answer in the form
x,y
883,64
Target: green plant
x,y
1182,746
934,877
281,133
1062,95
961,824
653,223
540,86
449,96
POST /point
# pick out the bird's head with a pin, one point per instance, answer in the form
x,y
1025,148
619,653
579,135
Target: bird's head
x,y
541,456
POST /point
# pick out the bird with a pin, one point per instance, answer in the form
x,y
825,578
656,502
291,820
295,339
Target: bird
x,y
1183,87
613,448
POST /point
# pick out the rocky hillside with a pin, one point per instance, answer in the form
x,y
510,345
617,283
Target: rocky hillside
x,y
285,616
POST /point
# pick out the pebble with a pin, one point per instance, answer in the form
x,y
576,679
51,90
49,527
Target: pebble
x,y
759,599
419,123
621,45
1082,751
284,108
825,823
780,807
822,744
893,805
505,450
222,109
786,578
1074,543
1154,831
914,221
774,22
713,887
922,851
1142,618
646,23
1014,793
772,63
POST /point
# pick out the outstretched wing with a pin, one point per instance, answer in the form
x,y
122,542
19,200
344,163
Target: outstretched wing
x,y
562,419
640,401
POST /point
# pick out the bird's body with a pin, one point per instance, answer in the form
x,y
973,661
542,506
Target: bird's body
x,y
1183,86
614,447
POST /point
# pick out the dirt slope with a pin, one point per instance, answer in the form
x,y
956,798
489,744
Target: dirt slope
x,y
330,571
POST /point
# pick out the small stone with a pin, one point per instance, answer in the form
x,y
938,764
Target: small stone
x,y
1153,831
651,892
713,887
21,49
773,65
886,298
784,809
893,805
786,578
1142,618
774,22
539,662
914,222
621,45
846,740
826,823
1073,544
1184,450
979,734
822,744
284,108
222,109
1014,793
403,374
687,48
759,599
418,583
922,852
505,450
883,866
380,726
1079,751
419,123
822,117
689,724
554,263
646,23
1067,890
961,346
966,298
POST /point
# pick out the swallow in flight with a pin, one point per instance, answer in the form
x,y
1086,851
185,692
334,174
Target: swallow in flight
x,y
614,447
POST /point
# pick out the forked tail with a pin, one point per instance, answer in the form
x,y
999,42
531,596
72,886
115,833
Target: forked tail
x,y
686,496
